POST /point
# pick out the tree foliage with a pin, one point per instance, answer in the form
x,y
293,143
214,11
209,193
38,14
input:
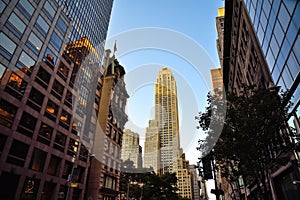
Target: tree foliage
x,y
144,182
255,135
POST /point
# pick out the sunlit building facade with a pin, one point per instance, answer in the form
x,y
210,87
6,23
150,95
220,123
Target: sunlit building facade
x,y
131,148
151,147
166,113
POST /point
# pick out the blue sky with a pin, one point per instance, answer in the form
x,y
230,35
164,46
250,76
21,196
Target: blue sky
x,y
174,33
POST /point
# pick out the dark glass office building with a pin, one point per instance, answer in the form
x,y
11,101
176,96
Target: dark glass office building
x,y
277,23
43,112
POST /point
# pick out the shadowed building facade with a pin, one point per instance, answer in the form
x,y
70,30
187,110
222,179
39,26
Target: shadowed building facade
x,y
42,154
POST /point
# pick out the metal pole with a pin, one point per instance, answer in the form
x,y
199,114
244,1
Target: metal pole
x,y
127,195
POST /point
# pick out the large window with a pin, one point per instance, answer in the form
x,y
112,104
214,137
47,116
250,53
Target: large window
x,y
34,43
16,86
43,78
45,134
42,26
72,147
30,189
38,160
57,89
25,63
27,124
7,113
49,10
60,141
36,99
25,8
2,6
2,70
17,153
56,41
51,110
54,164
15,25
61,26
7,46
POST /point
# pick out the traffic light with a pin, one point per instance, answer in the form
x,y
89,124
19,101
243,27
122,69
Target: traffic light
x,y
207,167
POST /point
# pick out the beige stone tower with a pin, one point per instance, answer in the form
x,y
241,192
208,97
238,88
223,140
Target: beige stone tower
x,y
166,113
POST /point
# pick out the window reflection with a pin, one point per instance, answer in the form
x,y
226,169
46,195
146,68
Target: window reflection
x,y
7,46
25,8
7,113
2,70
15,25
56,41
48,10
17,83
2,6
34,43
42,26
25,63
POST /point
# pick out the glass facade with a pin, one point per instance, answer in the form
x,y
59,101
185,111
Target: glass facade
x,y
277,23
40,135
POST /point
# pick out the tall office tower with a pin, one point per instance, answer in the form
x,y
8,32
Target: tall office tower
x,y
195,183
220,31
89,19
166,113
262,47
152,145
104,175
276,24
42,156
131,148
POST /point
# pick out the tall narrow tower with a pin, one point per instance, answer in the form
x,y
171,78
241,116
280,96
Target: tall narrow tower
x,y
166,113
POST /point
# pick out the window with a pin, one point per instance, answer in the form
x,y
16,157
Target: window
x,y
38,160
43,78
34,43
7,46
15,25
25,63
7,113
283,17
60,141
72,147
56,41
49,11
63,71
30,188
16,86
2,70
25,8
27,124
50,58
67,169
53,167
17,153
42,26
57,89
61,26
109,182
35,99
51,110
2,6
48,190
45,134
83,154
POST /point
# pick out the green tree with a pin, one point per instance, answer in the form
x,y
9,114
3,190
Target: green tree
x,y
255,134
144,182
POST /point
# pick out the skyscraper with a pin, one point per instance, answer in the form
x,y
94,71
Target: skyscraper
x,y
42,156
166,113
152,145
131,148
